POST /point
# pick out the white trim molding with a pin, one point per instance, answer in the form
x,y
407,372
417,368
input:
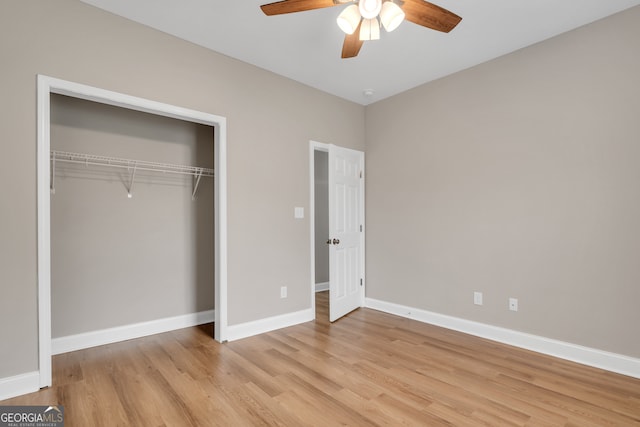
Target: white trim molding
x,y
248,329
19,385
576,353
128,332
324,286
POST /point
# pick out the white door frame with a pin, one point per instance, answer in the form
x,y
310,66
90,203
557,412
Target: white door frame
x,y
313,147
49,85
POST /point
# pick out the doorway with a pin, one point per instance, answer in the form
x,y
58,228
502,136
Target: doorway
x,y
337,227
46,87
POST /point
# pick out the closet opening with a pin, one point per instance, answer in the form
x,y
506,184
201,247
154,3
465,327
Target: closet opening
x,y
131,223
131,218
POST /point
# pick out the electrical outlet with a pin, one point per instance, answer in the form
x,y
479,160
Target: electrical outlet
x,y
513,304
283,291
477,298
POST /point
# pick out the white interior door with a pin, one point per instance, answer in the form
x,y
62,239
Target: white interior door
x,y
346,223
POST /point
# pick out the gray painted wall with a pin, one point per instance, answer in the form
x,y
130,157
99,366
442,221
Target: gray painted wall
x,y
270,122
117,260
321,202
517,178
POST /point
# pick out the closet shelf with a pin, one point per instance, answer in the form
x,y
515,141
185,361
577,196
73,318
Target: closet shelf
x,y
90,159
131,165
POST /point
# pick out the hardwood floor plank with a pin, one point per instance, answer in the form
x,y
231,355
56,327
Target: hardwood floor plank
x,y
280,416
369,407
367,369
334,412
404,414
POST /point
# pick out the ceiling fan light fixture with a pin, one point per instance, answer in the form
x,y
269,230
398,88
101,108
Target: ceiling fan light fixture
x,y
391,16
369,9
370,29
349,19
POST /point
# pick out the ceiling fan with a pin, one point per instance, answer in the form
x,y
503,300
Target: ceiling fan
x,y
362,18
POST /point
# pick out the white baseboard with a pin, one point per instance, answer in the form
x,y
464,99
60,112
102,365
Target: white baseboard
x,y
19,385
127,332
324,286
587,356
244,330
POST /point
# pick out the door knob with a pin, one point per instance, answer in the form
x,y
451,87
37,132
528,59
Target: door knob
x,y
329,242
336,241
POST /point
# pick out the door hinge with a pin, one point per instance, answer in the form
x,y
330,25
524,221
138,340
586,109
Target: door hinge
x,y
360,174
360,282
361,228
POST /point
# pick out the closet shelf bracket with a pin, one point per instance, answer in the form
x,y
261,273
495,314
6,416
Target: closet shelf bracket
x,y
131,178
53,175
196,182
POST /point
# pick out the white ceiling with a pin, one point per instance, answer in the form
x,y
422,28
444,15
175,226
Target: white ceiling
x,y
306,46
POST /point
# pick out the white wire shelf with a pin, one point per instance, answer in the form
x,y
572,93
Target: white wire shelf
x,y
130,164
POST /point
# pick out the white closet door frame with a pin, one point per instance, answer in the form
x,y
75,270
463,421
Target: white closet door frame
x,y
49,85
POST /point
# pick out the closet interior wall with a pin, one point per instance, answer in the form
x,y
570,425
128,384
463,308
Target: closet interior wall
x,y
117,260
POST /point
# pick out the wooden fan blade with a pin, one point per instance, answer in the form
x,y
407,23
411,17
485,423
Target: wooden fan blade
x,y
290,6
352,44
429,15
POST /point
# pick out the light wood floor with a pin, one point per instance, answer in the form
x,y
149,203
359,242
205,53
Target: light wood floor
x,y
367,369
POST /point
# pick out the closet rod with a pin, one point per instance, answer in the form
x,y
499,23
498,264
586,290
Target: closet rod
x,y
131,165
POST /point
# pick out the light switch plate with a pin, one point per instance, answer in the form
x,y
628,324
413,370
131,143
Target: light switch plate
x,y
477,298
298,213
